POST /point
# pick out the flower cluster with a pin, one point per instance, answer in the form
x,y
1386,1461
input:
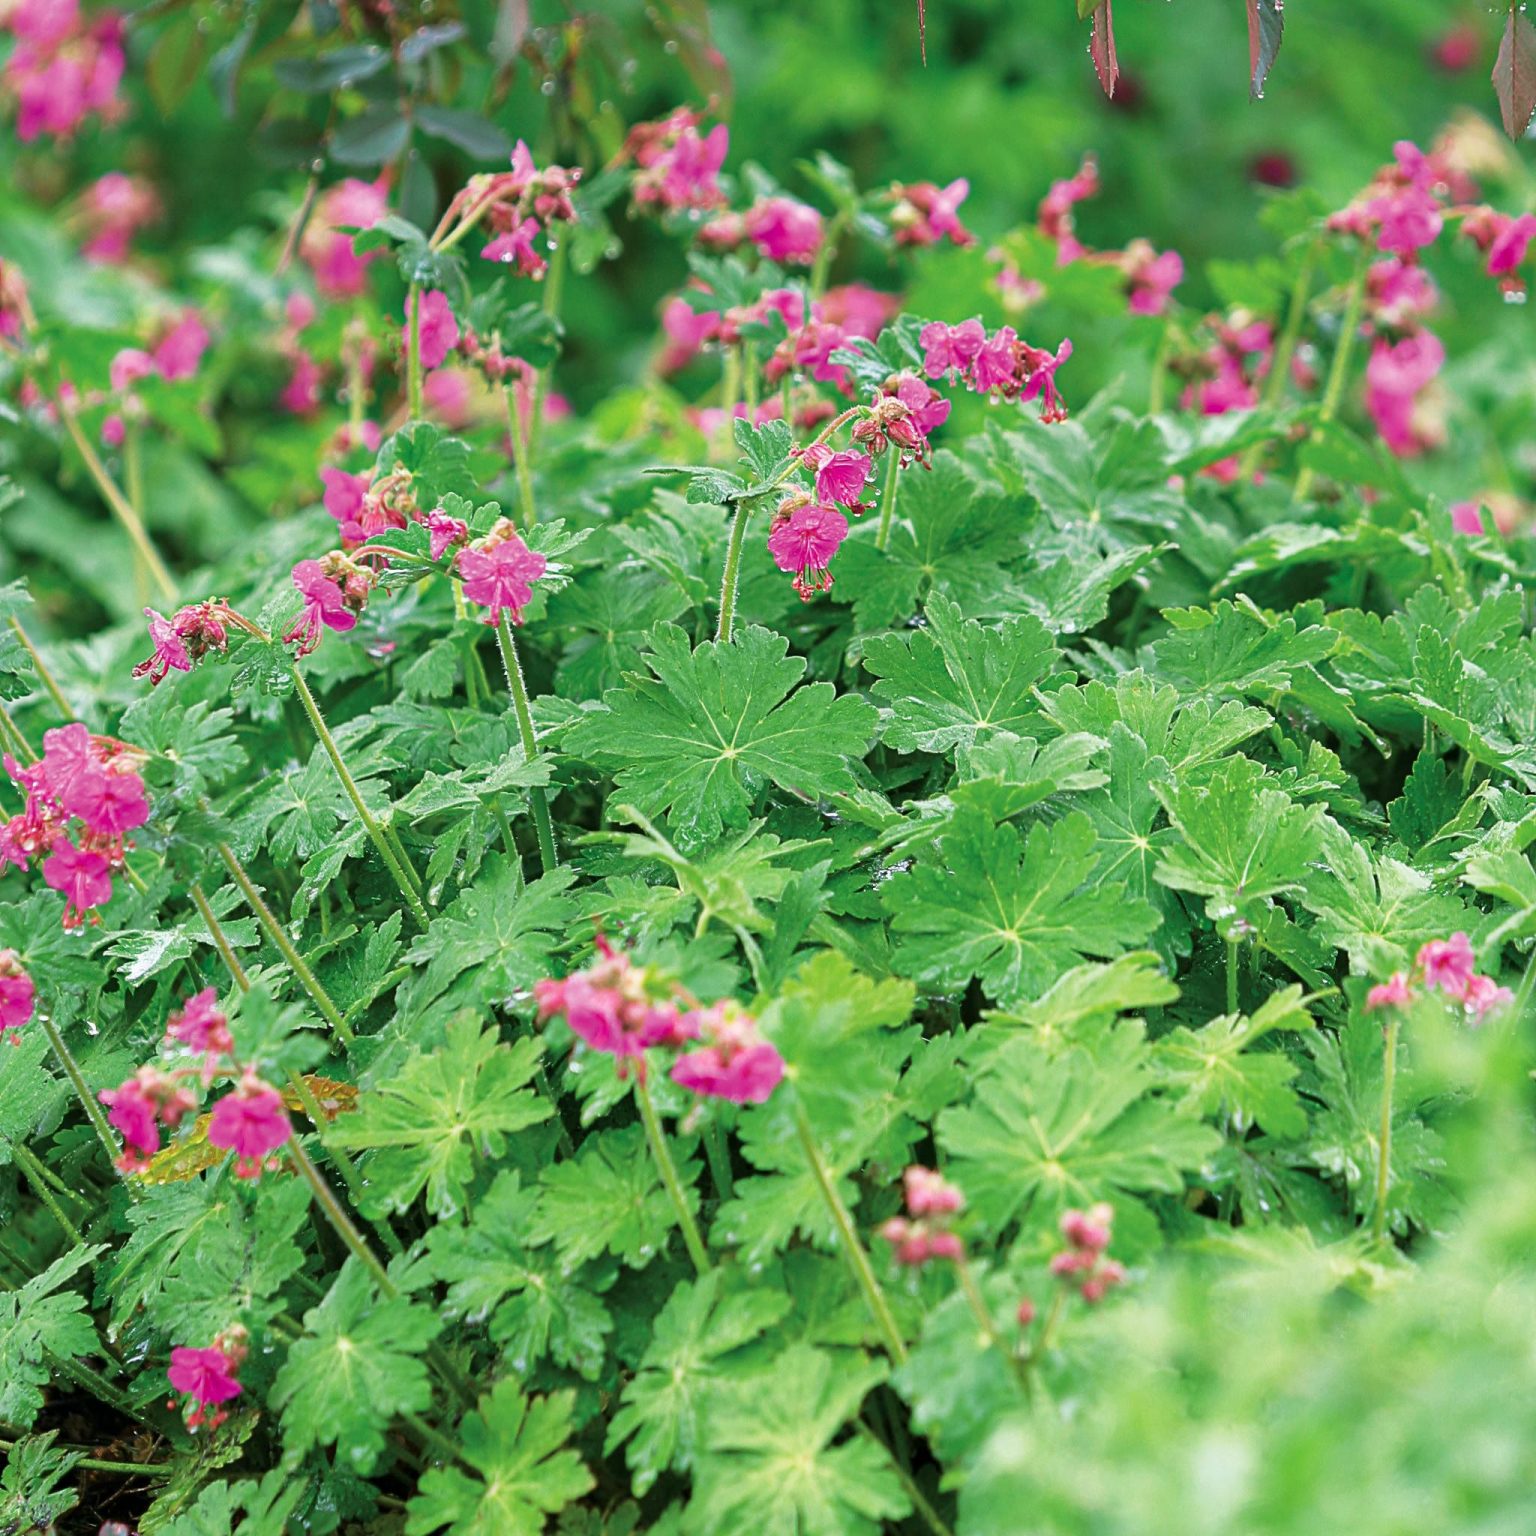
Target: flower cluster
x,y
782,228
499,570
676,167
364,506
18,996
518,206
923,213
208,1377
924,1232
62,68
1442,965
623,1010
249,1120
1083,1264
82,799
182,640
1001,364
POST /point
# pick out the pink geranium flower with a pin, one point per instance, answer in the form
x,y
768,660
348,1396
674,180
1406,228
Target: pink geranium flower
x,y
951,349
1408,219
340,272
251,1122
438,330
109,803
1509,246
499,574
169,652
515,247
128,367
1394,378
1467,517
785,230
201,1025
18,995
300,396
180,351
325,604
83,878
734,1062
841,478
803,539
1152,277
1392,993
207,1376
1448,963
344,494
132,1110
444,532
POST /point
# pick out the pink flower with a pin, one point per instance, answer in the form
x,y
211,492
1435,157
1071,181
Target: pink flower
x,y
1409,218
1088,1231
1400,291
1483,994
842,477
207,1376
1392,993
1510,244
500,575
18,995
1394,376
951,348
929,1193
340,272
201,1026
678,168
1041,369
438,330
249,1121
344,494
133,1111
444,531
110,803
448,395
858,309
804,539
324,604
1467,517
81,877
180,350
516,246
686,330
301,394
129,366
924,214
735,1063
1152,277
1447,963
1055,212
993,366
785,230
168,653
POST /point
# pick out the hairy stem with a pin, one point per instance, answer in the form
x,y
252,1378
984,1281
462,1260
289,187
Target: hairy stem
x,y
285,946
1334,390
44,675
1384,1139
36,1177
413,353
404,878
874,1297
518,688
888,500
730,580
220,938
668,1171
88,1101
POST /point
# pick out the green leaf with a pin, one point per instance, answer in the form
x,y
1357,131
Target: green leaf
x,y
432,1121
1266,26
701,737
515,1444
954,682
609,1198
478,138
37,1322
356,1368
770,1466
30,1496
323,72
1069,1129
1014,912
699,1340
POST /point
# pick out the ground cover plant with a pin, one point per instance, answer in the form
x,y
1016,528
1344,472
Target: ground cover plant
x,y
896,904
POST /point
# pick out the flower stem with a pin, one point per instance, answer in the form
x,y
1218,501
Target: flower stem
x,y
668,1171
346,1229
413,353
978,1305
864,1272
220,939
1384,1140
931,1517
44,675
1231,975
520,457
1285,350
888,500
405,879
730,579
125,1468
548,856
274,931
88,1102
1334,390
35,1177
97,1385
119,504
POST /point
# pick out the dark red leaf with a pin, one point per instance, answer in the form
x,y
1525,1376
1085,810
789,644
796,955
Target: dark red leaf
x,y
1105,64
1514,73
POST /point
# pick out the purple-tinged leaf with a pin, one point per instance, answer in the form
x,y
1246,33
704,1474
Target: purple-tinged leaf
x,y
1102,47
1514,73
1266,28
